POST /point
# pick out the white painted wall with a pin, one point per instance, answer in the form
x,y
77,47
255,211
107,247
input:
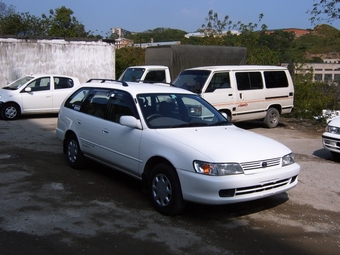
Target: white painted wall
x,y
82,59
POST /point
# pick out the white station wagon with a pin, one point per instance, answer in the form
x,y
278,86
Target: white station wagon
x,y
175,142
32,94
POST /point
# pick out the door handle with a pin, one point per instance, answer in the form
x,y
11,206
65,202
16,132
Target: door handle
x,y
105,131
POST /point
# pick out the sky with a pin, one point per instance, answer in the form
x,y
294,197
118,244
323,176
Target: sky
x,y
99,16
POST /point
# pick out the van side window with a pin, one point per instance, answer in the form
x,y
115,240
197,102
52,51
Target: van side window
x,y
249,80
275,79
219,81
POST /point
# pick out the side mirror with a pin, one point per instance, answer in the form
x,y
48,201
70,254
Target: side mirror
x,y
28,89
130,121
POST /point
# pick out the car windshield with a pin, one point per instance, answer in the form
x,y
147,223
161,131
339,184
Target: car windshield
x,y
192,80
18,83
133,74
178,111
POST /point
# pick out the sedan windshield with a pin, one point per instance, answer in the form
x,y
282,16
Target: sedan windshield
x,y
178,111
18,83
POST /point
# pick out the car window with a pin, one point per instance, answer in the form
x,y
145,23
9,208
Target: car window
x,y
121,103
96,102
40,84
76,100
177,111
219,81
63,83
249,80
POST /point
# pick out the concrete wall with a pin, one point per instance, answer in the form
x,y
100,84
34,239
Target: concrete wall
x,y
82,59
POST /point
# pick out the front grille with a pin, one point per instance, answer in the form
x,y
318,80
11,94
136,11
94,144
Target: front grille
x,y
256,188
260,164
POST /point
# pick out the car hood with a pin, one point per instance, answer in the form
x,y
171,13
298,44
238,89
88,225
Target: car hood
x,y
7,93
226,143
335,122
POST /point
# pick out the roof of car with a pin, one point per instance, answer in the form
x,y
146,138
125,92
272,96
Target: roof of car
x,y
238,68
136,88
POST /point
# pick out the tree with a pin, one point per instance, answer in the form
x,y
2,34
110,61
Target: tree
x,y
325,10
63,24
128,56
6,10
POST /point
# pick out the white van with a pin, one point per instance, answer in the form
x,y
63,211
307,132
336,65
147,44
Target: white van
x,y
243,92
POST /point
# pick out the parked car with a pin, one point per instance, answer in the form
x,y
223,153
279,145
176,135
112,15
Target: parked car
x,y
175,142
35,94
331,137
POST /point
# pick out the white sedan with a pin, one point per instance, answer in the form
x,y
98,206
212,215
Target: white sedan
x,y
35,94
331,137
176,143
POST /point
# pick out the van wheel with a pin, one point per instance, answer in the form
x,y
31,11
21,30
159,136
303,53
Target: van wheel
x,y
272,118
75,156
10,111
165,190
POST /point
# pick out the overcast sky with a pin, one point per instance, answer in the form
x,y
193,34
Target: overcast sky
x,y
100,16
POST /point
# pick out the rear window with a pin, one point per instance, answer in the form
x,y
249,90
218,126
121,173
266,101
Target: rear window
x,y
275,79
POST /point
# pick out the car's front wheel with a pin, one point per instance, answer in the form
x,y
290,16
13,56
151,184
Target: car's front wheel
x,y
165,190
75,156
10,111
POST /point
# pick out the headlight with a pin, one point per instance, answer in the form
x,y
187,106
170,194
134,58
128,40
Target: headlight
x,y
288,159
217,168
333,129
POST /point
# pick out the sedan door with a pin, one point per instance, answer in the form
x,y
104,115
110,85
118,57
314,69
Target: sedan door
x,y
37,96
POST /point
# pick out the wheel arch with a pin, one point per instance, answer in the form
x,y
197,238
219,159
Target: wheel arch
x,y
150,164
67,135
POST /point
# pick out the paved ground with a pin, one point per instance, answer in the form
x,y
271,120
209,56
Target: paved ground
x,y
49,208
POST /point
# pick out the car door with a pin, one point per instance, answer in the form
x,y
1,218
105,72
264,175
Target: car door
x,y
62,87
120,144
100,134
220,92
37,96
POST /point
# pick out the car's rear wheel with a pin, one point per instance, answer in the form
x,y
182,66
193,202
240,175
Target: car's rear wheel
x,y
165,190
272,118
10,111
75,156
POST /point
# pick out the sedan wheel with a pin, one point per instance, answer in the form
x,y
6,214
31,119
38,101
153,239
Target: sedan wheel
x,y
165,189
9,111
75,156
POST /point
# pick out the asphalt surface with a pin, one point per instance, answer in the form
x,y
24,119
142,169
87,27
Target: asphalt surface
x,y
46,207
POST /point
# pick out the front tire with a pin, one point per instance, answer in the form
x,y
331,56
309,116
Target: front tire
x,y
165,190
272,118
75,156
10,111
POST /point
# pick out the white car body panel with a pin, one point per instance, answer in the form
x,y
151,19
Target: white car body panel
x,y
129,149
44,101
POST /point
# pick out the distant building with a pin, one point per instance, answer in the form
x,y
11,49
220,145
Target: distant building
x,y
328,71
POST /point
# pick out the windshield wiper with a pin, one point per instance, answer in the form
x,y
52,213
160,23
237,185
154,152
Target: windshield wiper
x,y
191,124
221,123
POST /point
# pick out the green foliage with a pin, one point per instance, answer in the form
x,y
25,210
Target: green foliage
x,y
325,11
128,56
312,97
157,35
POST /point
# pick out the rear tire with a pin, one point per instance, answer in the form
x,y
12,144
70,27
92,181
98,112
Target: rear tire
x,y
10,111
165,190
75,156
272,118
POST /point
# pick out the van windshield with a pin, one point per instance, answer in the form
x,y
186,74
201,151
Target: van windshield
x,y
133,74
192,80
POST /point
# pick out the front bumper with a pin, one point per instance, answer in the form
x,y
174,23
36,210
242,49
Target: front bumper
x,y
331,142
237,188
